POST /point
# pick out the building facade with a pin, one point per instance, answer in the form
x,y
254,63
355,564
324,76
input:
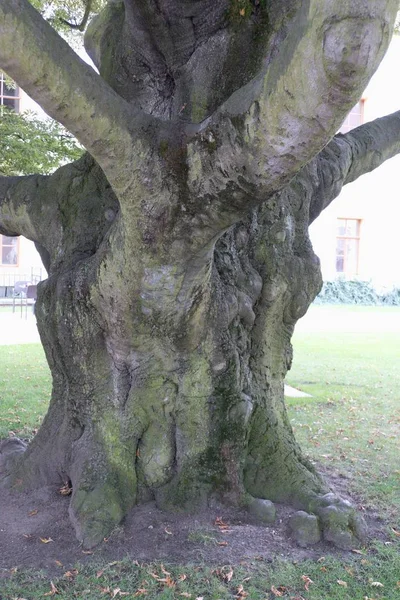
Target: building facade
x,y
19,259
357,236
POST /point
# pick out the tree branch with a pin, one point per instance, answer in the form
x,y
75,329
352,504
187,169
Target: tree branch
x,y
271,128
17,195
349,156
70,91
81,26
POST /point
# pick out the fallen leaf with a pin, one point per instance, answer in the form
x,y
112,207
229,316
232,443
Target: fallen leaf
x,y
87,552
307,581
58,563
356,551
321,559
241,593
182,577
222,543
221,524
65,490
27,535
342,583
53,590
186,595
71,574
13,570
168,531
242,12
275,591
115,592
200,598
376,584
35,512
140,592
99,573
164,571
46,540
228,576
395,531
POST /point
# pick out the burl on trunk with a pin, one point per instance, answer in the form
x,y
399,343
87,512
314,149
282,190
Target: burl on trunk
x,y
178,252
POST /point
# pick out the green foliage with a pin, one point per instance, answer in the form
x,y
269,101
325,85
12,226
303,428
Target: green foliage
x,y
62,12
342,291
30,145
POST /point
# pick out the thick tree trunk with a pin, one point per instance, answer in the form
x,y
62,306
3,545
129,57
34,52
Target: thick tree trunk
x,y
180,261
168,378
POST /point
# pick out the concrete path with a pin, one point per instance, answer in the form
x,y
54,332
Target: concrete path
x,y
17,330
350,319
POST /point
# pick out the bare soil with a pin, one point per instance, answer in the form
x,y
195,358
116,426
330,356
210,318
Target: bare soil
x,y
35,532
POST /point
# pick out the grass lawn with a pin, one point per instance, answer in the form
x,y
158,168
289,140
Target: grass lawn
x,y
350,426
25,386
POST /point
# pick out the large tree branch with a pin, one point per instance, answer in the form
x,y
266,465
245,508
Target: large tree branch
x,y
349,156
270,129
70,91
17,196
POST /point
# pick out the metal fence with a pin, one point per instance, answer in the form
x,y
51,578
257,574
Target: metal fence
x,y
8,281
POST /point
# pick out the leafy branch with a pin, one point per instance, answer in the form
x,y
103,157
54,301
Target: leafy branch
x,y
29,145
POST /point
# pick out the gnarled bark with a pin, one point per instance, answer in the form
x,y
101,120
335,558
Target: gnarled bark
x,y
179,261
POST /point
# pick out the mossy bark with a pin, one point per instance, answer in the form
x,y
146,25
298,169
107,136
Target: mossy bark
x,y
168,378
178,254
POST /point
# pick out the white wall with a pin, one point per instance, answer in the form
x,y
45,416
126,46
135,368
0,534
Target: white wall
x,y
374,198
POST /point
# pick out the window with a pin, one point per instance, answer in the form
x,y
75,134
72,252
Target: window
x,y
9,251
347,246
9,93
354,118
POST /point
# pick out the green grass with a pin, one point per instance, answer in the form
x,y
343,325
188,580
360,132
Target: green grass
x,y
24,389
373,576
350,425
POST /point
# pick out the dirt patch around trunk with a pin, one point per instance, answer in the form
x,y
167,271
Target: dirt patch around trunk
x,y
35,532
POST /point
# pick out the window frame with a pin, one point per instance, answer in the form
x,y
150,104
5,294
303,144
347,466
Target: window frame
x,y
348,238
4,96
2,245
346,126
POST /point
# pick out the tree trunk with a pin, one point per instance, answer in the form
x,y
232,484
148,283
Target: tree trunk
x,y
168,378
178,256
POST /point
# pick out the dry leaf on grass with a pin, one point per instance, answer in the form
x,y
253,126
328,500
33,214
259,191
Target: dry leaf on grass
x,y
46,540
32,513
140,592
395,531
307,581
71,574
275,591
376,584
241,593
53,590
342,583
